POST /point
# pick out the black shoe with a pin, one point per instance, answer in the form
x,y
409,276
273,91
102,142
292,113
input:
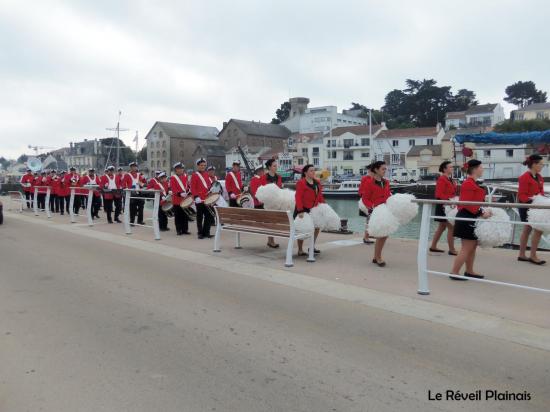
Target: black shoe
x,y
185,233
209,236
315,251
117,220
457,277
381,263
141,223
537,262
164,229
62,213
110,222
200,236
472,275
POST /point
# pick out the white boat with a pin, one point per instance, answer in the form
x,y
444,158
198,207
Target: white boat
x,y
347,188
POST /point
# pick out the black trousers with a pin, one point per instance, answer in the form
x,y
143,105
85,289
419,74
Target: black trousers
x,y
62,203
96,205
163,219
53,203
204,220
181,221
29,196
117,201
77,204
108,207
136,209
41,200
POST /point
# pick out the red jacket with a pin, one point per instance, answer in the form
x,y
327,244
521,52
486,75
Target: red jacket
x,y
470,191
230,184
63,187
133,180
27,179
41,181
445,188
362,185
104,184
255,183
198,189
530,186
264,180
306,197
87,180
178,191
55,183
71,180
375,192
157,185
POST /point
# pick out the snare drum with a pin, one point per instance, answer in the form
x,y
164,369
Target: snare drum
x,y
186,202
211,199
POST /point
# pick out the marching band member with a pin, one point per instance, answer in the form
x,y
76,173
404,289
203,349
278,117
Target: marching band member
x,y
160,183
179,187
309,193
135,180
109,186
211,171
72,180
27,181
63,194
465,229
53,181
271,176
200,186
41,193
364,181
531,183
89,180
119,194
234,183
255,183
375,192
445,189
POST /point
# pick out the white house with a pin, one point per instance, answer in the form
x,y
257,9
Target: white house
x,y
317,119
487,115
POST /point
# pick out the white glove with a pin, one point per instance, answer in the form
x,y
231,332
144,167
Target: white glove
x,y
233,196
169,192
163,198
198,200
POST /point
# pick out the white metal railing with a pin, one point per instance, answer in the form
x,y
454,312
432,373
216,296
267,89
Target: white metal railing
x,y
17,197
156,204
47,200
89,195
422,256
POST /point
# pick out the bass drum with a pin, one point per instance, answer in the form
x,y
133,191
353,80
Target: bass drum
x,y
168,207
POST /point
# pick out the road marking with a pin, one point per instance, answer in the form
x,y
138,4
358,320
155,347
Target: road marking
x,y
489,325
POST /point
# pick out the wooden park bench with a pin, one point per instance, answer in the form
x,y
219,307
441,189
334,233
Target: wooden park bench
x,y
260,222
17,197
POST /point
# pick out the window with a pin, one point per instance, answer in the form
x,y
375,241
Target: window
x,y
429,142
348,155
411,142
395,143
365,154
158,164
164,163
331,154
300,161
328,143
164,143
423,171
164,153
348,143
518,116
152,163
161,135
315,161
509,152
395,158
365,141
158,153
348,171
542,115
487,153
315,151
304,151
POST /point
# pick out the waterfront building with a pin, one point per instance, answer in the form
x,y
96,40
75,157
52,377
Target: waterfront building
x,y
532,111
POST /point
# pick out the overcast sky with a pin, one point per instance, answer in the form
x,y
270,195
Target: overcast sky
x,y
68,67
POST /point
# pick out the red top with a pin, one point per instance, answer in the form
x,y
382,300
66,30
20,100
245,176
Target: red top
x,y
306,196
131,180
265,180
530,186
178,192
63,189
375,192
104,184
55,183
156,185
87,180
364,181
26,179
255,183
230,185
445,188
470,191
41,181
198,188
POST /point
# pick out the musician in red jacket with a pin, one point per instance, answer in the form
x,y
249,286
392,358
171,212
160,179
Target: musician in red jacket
x,y
27,182
63,194
271,176
41,181
469,191
375,192
109,187
234,183
179,186
364,182
72,179
53,181
531,183
309,193
200,188
445,189
92,180
159,183
135,180
255,183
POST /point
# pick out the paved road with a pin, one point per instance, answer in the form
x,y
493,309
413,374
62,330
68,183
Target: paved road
x,y
93,326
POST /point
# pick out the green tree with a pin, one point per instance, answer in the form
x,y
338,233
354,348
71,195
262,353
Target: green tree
x,y
142,154
522,94
4,162
463,99
282,113
22,159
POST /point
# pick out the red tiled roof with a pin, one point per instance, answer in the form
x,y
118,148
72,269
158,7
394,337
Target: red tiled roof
x,y
412,132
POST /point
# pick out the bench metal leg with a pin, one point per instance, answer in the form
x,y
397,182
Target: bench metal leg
x,y
217,237
288,262
311,256
238,240
127,228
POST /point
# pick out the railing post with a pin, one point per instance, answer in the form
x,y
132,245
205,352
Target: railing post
x,y
156,205
127,227
290,246
218,232
422,257
89,207
71,205
47,204
35,201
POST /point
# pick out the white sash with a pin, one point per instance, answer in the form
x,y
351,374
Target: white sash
x,y
135,181
161,186
235,180
112,183
92,182
183,190
202,180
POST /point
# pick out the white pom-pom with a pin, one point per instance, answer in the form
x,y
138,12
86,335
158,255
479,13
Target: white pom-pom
x,y
362,207
324,217
304,224
402,207
451,211
382,222
490,233
269,196
540,216
287,199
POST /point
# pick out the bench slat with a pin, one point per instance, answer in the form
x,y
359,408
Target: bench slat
x,y
259,215
266,232
250,223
